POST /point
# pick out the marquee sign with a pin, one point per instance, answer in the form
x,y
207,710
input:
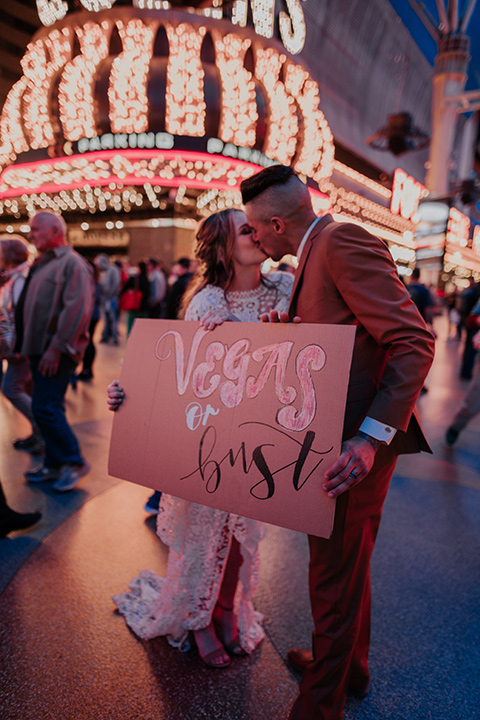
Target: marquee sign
x,y
159,79
265,14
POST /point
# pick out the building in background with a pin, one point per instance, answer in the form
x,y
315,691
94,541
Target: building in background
x,y
135,119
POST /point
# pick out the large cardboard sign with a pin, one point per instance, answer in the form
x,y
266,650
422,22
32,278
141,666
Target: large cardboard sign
x,y
245,418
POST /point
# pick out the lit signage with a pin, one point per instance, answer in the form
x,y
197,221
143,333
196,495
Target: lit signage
x,y
291,24
73,89
165,141
406,194
458,228
98,238
123,141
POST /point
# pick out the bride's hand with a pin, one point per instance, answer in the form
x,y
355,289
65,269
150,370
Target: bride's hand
x,y
116,396
217,317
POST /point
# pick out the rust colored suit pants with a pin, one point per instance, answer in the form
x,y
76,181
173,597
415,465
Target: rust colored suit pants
x,y
339,578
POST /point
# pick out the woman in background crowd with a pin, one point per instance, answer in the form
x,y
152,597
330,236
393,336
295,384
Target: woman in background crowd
x,y
135,296
17,381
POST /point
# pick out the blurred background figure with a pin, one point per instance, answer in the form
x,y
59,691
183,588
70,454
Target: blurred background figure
x,y
466,301
423,299
11,520
450,302
110,283
51,325
17,382
135,296
90,351
158,289
471,404
178,281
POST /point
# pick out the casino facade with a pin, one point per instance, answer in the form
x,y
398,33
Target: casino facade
x,y
134,121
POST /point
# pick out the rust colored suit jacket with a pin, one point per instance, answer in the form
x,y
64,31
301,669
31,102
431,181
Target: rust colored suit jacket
x,y
347,276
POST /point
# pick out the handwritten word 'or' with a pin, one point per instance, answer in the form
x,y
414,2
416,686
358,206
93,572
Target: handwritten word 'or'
x,y
237,364
196,415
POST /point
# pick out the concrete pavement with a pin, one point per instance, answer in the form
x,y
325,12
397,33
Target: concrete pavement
x,y
65,653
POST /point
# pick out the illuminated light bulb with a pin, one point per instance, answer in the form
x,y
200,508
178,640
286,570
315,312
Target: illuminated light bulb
x,y
293,30
151,4
127,91
185,77
49,11
362,179
11,124
41,62
97,5
263,13
282,132
75,93
239,108
316,150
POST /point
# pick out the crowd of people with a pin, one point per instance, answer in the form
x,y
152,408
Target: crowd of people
x,y
49,310
50,306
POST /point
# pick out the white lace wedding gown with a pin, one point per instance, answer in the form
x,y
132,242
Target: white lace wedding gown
x,y
199,537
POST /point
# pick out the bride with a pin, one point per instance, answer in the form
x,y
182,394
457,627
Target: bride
x,y
213,561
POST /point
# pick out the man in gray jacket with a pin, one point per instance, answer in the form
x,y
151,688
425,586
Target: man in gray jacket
x,y
51,318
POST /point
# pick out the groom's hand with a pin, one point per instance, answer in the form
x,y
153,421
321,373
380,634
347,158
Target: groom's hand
x,y
274,317
352,466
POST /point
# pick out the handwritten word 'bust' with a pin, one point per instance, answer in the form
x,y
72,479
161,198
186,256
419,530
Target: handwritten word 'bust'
x,y
238,377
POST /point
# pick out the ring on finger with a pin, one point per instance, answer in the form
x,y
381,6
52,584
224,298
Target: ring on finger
x,y
354,474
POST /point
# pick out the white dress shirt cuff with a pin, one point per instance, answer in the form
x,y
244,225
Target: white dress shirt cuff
x,y
377,430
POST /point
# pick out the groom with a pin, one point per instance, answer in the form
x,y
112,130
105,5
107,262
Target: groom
x,y
346,276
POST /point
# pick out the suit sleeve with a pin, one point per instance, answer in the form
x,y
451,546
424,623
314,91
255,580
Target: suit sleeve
x,y
365,275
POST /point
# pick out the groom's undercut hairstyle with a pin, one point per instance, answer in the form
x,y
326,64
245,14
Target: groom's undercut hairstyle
x,y
255,185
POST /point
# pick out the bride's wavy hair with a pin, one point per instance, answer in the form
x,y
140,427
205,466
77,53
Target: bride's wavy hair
x,y
214,251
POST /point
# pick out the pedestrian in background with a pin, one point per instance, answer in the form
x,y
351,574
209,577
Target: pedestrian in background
x,y
179,280
471,404
135,296
10,520
86,373
51,323
466,301
158,289
109,284
17,381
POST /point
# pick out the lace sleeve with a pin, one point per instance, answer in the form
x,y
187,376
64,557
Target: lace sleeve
x,y
207,299
284,284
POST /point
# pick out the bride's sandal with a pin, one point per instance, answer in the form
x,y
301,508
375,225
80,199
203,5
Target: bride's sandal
x,y
233,647
217,658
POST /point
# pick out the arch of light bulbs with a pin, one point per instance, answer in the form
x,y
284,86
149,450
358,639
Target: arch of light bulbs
x,y
297,130
125,180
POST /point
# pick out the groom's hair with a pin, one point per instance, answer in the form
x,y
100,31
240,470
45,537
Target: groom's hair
x,y
256,184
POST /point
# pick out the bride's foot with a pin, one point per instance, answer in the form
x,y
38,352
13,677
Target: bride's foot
x,y
210,648
226,624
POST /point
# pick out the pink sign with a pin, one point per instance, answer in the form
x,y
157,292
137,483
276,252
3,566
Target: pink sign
x,y
246,418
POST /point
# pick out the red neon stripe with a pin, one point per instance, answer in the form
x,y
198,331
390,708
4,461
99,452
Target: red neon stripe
x,y
134,153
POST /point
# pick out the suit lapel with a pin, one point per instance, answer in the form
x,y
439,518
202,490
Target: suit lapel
x,y
324,221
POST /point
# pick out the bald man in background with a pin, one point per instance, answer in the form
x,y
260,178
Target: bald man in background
x,y
346,276
51,319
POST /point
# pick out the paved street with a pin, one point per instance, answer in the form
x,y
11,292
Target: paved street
x,y
66,655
